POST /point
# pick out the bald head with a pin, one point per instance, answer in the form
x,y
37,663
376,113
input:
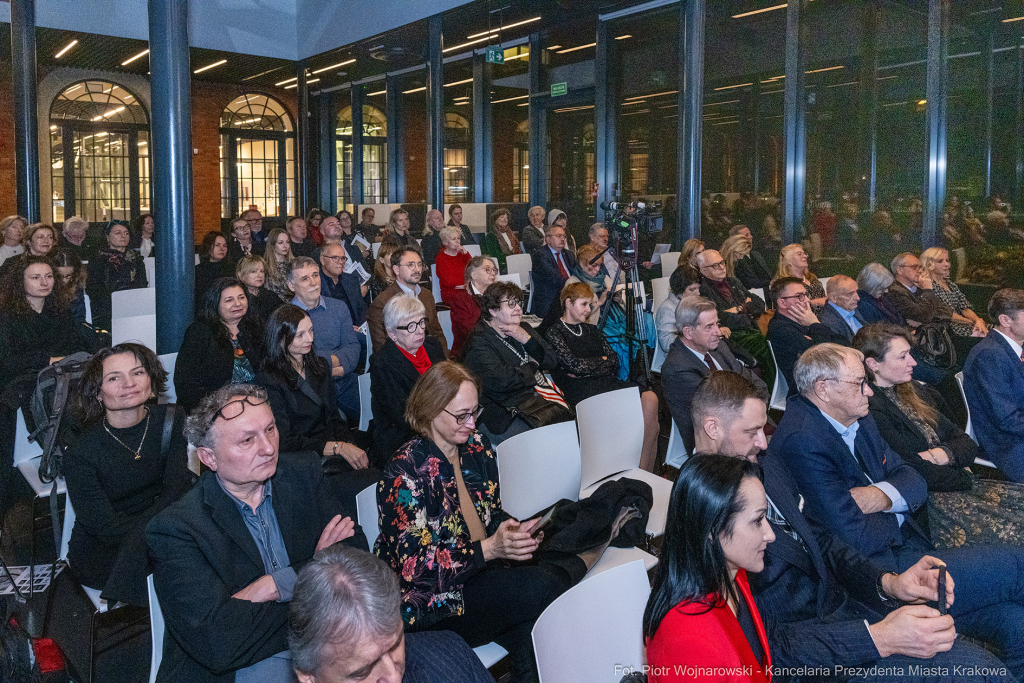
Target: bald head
x,y
842,291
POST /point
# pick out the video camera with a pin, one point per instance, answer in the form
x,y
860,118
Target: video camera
x,y
646,216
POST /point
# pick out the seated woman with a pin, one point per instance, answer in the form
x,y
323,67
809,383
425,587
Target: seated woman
x,y
965,323
251,272
793,263
501,241
38,239
451,262
680,285
383,276
688,258
128,464
587,366
70,272
407,353
277,256
701,612
872,281
301,394
962,508
223,345
510,359
479,274
113,269
456,552
142,231
213,262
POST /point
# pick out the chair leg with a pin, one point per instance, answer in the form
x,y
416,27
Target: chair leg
x,y
32,552
92,644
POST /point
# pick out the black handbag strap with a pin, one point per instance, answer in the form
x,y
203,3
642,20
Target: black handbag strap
x,y
165,442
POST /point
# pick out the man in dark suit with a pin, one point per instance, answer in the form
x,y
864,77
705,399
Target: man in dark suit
x,y
840,313
696,352
225,556
794,328
552,266
912,293
861,491
337,284
826,605
994,384
751,270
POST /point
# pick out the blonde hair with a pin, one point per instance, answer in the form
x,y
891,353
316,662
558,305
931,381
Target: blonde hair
x,y
587,252
26,235
784,270
433,391
273,264
734,249
247,264
573,292
686,255
929,257
382,266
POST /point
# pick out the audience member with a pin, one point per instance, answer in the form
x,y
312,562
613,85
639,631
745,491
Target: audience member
x,y
407,353
823,601
142,232
357,254
700,613
451,262
965,322
314,219
994,385
72,236
588,366
431,244
113,269
383,274
11,230
332,325
558,217
242,243
455,219
69,282
370,232
213,262
697,351
225,556
298,235
795,328
872,282
406,266
480,273
680,287
692,248
913,295
793,263
552,265
255,220
345,624
840,314
336,283
38,240
278,255
129,462
501,240
750,266
251,272
397,230
510,359
532,236
599,238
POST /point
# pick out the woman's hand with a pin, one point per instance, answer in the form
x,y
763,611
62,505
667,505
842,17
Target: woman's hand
x,y
980,328
354,455
516,332
336,368
725,331
512,541
936,456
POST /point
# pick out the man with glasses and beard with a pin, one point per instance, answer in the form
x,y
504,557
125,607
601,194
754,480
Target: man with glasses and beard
x,y
407,264
226,556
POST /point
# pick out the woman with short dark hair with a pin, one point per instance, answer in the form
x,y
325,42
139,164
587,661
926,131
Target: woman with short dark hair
x,y
213,262
113,269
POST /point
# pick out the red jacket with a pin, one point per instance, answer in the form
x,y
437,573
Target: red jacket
x,y
687,639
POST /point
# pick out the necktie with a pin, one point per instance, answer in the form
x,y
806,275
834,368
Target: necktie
x,y
1022,356
561,267
709,361
775,517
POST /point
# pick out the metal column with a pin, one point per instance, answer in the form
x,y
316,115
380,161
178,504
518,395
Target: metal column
x,y
538,124
435,115
605,113
357,145
483,149
396,156
691,118
171,163
302,187
795,125
867,118
990,77
1018,186
935,118
26,135
327,194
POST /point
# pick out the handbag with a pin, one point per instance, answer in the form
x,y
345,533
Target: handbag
x,y
537,411
935,346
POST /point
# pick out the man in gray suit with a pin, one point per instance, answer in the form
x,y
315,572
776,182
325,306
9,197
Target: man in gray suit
x,y
840,313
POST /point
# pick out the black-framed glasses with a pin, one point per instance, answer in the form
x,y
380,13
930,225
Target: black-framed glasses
x,y
414,325
462,417
801,295
512,303
336,259
862,383
719,264
232,409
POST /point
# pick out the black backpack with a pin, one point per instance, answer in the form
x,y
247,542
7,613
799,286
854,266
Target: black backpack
x,y
48,405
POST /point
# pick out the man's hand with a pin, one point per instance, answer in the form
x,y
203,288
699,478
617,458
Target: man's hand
x,y
336,369
734,309
262,589
803,314
980,329
918,584
915,631
337,529
924,282
870,499
725,331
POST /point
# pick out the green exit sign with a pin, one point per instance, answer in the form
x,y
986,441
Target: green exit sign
x,y
558,89
495,55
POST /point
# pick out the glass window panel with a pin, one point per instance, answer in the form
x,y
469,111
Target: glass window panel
x,y
255,173
414,135
57,172
510,126
458,132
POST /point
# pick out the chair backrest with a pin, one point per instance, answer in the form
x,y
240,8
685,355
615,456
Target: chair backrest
x,y
366,513
168,360
781,388
150,263
513,278
659,292
156,626
375,247
435,284
824,282
759,293
88,310
538,468
473,249
365,328
659,358
365,409
69,525
669,263
677,453
133,302
137,328
611,434
445,318
969,428
595,629
24,450
519,263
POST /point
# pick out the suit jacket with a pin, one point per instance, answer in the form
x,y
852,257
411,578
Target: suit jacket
x,y
203,554
738,295
204,365
922,306
876,310
681,374
235,251
375,316
753,272
825,471
789,339
832,319
691,635
306,412
350,288
994,385
547,279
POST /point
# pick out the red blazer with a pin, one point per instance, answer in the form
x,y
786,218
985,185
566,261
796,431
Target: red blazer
x,y
686,638
451,273
465,314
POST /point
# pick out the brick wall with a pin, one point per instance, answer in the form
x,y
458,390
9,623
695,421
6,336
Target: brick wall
x,y
8,201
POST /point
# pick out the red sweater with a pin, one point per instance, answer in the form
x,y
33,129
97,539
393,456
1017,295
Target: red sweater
x,y
451,272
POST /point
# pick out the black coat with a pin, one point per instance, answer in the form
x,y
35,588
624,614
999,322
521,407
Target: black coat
x,y
753,272
392,376
235,251
202,554
789,339
505,382
206,360
263,303
112,271
738,295
306,411
207,272
922,306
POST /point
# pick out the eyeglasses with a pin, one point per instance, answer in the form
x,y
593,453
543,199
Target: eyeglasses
x,y
862,383
415,265
801,295
719,264
491,271
414,325
512,303
462,417
232,409
336,259
917,267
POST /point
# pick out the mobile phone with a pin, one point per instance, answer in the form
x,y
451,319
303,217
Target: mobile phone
x,y
543,521
942,590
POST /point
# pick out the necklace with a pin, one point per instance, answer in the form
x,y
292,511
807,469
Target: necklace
x,y
575,334
523,357
136,451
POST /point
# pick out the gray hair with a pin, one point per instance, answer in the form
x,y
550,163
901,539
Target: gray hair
x,y
76,220
340,597
401,309
300,262
449,231
199,425
821,361
874,278
689,308
898,260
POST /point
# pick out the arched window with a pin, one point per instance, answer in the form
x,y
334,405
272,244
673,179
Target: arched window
x,y
456,158
99,153
375,156
257,159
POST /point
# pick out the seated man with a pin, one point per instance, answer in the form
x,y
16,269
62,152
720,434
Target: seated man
x,y
552,266
697,352
840,313
346,626
225,556
336,283
912,295
407,264
860,490
599,238
337,342
255,220
994,384
367,228
826,605
794,328
532,236
301,244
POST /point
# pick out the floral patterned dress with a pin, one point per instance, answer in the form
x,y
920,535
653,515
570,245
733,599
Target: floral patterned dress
x,y
423,535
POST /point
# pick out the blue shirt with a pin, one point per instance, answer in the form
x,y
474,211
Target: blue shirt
x,y
849,316
332,330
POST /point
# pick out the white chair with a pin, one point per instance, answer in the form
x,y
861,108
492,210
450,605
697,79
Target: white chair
x,y
98,603
759,293
781,388
365,329
168,360
669,263
435,283
365,409
27,456
513,278
156,627
473,249
519,263
137,328
677,453
529,302
659,358
197,259
611,427
969,429
375,247
824,282
445,318
660,290
133,302
150,263
88,310
595,629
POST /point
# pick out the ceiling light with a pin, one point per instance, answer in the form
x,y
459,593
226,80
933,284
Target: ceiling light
x,y
519,56
623,37
138,56
471,42
829,68
209,66
759,11
293,78
66,48
509,99
379,92
554,47
730,87
922,102
108,114
1007,21
657,94
334,66
409,92
715,104
573,49
465,80
502,28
